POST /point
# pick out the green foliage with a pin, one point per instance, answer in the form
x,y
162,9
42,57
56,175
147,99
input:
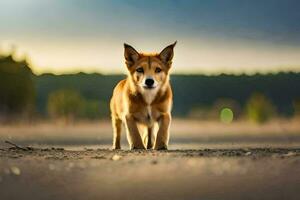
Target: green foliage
x,y
94,109
190,91
259,108
69,105
21,92
216,111
91,86
201,112
65,104
17,89
296,105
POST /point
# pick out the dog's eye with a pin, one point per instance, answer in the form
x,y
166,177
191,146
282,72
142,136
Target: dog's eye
x,y
140,70
157,70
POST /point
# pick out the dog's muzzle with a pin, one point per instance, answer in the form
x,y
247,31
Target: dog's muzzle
x,y
149,83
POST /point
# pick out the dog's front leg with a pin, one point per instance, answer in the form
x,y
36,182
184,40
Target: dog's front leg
x,y
133,135
162,138
116,124
149,137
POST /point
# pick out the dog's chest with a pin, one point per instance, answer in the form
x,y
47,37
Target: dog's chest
x,y
149,95
148,116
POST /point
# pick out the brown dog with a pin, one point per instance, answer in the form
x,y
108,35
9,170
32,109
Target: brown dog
x,y
143,100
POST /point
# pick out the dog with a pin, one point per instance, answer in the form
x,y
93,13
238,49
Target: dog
x,y
143,101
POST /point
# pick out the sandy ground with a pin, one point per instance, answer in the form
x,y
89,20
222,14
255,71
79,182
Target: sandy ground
x,y
270,173
205,161
185,134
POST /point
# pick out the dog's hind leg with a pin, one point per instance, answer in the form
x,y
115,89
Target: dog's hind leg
x,y
117,126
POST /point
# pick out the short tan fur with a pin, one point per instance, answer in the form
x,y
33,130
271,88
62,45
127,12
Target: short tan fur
x,y
143,101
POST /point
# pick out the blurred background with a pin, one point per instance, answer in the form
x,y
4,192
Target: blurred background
x,y
235,77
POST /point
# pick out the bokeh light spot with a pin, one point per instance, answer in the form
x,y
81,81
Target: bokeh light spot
x,y
226,115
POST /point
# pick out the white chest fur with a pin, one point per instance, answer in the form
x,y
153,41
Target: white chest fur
x,y
149,95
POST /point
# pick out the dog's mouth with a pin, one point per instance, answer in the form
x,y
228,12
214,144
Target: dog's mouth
x,y
148,87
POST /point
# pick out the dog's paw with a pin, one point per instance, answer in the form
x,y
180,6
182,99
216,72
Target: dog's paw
x,y
149,146
116,147
161,148
137,148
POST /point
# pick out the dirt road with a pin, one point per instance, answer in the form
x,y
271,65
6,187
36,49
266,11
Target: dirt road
x,y
260,173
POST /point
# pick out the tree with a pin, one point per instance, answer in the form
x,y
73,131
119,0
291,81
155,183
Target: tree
x,y
65,104
17,96
259,108
296,105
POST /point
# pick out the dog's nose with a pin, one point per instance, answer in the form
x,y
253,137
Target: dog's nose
x,y
149,82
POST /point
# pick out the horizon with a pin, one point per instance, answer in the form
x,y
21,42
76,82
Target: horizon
x,y
78,70
213,37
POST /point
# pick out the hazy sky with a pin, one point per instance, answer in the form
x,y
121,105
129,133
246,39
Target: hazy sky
x,y
213,36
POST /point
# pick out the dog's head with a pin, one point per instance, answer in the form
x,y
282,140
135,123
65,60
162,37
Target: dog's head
x,y
149,71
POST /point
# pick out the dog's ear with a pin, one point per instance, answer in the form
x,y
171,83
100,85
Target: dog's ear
x,y
130,54
166,55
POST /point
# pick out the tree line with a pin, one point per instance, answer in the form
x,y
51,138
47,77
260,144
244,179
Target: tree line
x,y
86,96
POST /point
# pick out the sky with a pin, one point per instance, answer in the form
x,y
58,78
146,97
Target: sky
x,y
224,36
